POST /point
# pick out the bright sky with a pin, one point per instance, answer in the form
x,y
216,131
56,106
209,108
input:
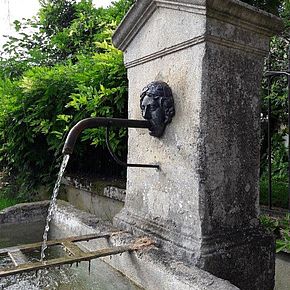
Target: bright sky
x,y
11,10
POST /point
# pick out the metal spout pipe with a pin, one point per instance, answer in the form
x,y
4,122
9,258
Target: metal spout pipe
x,y
99,122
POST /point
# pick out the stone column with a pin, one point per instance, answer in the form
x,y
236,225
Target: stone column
x,y
203,203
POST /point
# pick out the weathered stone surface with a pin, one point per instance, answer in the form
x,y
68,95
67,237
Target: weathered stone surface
x,y
228,11
100,197
101,206
24,213
108,188
203,203
152,269
282,271
115,193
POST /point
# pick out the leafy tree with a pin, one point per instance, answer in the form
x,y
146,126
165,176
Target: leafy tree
x,y
51,100
62,30
66,70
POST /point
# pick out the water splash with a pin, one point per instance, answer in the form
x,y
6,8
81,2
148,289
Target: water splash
x,y
52,205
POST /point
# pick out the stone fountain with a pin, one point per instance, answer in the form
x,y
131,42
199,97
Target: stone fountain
x,y
202,205
193,187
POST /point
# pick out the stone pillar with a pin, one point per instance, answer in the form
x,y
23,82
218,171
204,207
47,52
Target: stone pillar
x,y
203,203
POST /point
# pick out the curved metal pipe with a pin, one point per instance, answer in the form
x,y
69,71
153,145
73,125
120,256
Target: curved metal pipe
x,y
99,122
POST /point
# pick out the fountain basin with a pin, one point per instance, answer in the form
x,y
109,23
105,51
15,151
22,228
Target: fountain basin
x,y
25,224
148,269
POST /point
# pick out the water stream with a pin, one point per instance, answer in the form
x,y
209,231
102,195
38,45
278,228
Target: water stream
x,y
52,205
74,277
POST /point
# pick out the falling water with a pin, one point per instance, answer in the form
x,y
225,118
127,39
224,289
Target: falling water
x,y
52,205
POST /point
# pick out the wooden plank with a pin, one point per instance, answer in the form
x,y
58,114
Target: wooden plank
x,y
73,248
65,260
29,247
84,256
17,258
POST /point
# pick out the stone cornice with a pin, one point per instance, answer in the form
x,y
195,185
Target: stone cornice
x,y
166,51
136,17
231,11
192,42
244,15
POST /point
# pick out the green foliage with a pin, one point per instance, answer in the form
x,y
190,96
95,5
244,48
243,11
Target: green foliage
x,y
271,6
62,30
6,202
279,193
278,96
270,223
51,100
280,227
56,15
63,72
283,244
279,158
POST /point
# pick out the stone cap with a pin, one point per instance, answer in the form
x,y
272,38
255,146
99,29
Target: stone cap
x,y
231,11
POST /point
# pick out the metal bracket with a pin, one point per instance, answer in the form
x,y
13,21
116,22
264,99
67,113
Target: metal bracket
x,y
121,162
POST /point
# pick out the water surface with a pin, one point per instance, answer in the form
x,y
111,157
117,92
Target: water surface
x,y
102,276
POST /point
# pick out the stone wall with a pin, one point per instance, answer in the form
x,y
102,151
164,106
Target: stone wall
x,y
103,198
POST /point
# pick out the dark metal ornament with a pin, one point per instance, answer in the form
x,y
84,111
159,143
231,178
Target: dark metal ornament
x,y
157,106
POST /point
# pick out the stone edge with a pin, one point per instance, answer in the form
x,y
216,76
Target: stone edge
x,y
110,191
233,11
156,259
192,42
24,212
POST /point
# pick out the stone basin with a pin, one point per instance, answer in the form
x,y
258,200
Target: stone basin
x,y
147,269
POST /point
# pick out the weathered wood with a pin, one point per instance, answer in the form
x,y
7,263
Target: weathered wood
x,y
17,258
33,246
81,256
72,248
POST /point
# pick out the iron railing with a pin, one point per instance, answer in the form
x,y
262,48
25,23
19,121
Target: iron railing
x,y
271,76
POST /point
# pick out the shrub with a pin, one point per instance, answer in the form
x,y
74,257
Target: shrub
x,y
46,98
280,227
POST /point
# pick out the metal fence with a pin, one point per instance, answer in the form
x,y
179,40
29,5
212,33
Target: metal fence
x,y
271,76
